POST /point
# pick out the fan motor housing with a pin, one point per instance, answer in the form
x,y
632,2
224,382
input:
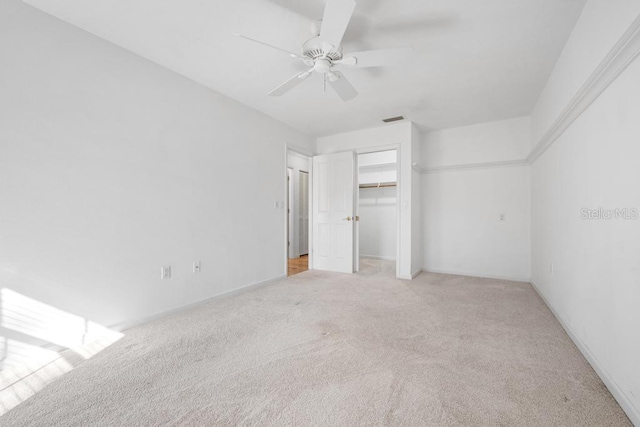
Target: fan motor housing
x,y
314,49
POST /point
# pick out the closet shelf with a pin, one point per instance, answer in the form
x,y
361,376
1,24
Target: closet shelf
x,y
378,185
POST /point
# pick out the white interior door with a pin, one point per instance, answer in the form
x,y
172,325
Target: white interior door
x,y
333,210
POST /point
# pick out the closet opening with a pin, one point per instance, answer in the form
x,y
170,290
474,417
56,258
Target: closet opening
x,y
377,211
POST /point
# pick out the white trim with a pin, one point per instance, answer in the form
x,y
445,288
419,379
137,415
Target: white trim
x,y
292,151
285,211
616,61
621,397
399,186
356,213
474,166
480,275
299,152
128,324
379,148
416,273
310,210
288,212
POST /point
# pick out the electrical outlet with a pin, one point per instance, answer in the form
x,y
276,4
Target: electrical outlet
x,y
165,272
501,217
196,267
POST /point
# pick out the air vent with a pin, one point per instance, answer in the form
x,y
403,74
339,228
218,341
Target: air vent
x,y
393,119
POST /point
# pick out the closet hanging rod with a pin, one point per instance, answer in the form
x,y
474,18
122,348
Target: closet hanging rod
x,y
378,185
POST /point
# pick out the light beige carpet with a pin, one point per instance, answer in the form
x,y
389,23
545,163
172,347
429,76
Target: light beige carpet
x,y
331,349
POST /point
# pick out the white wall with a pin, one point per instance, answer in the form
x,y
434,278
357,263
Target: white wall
x,y
111,166
501,141
384,137
594,283
296,162
463,232
466,190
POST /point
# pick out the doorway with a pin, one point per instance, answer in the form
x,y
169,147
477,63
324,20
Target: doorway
x,y
303,213
298,167
377,211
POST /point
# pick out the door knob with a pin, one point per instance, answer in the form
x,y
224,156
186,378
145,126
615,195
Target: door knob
x,y
347,218
357,218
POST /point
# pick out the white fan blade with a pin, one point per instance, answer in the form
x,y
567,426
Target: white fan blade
x,y
293,55
290,84
377,58
337,14
342,86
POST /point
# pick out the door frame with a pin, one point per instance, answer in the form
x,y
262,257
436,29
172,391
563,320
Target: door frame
x,y
308,173
287,208
297,151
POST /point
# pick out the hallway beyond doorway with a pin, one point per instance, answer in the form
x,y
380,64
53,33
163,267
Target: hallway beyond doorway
x,y
297,265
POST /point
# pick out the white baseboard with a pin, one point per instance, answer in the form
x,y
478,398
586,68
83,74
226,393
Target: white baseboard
x,y
385,258
481,275
621,397
128,324
415,273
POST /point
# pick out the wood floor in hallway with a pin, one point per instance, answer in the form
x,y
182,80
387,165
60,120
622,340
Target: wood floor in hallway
x,y
298,265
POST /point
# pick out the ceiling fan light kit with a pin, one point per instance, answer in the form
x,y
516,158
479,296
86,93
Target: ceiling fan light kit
x,y
323,52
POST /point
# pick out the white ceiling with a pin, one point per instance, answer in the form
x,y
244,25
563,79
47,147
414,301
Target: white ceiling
x,y
474,60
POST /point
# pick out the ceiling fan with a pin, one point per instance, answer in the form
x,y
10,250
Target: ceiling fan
x,y
323,53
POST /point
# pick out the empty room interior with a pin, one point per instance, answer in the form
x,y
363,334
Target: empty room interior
x,y
320,212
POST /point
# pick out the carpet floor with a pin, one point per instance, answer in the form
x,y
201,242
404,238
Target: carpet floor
x,y
328,349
